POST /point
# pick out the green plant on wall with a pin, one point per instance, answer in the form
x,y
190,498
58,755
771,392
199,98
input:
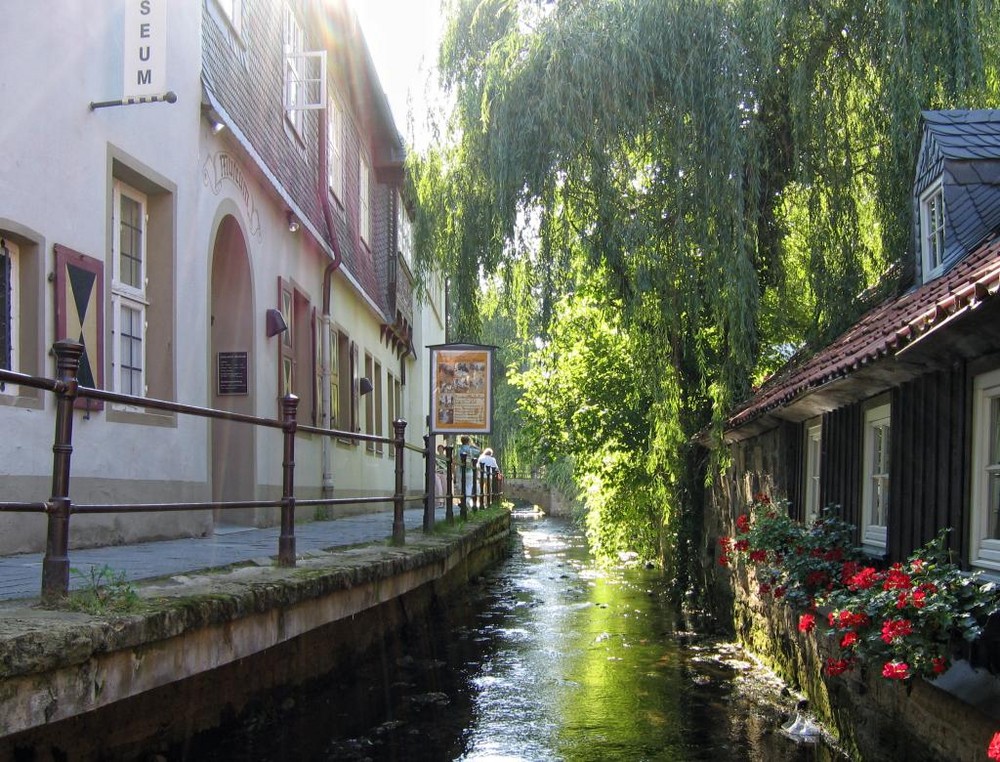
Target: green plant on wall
x,y
105,591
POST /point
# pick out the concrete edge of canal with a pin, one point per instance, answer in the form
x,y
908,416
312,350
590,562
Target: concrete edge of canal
x,y
208,643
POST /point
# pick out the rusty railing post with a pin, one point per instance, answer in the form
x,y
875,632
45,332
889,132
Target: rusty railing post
x,y
286,541
55,565
431,483
399,498
464,508
449,511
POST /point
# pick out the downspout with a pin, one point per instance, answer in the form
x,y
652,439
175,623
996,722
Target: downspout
x,y
331,268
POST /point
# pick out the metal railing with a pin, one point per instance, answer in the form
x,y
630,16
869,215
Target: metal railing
x,y
486,484
59,507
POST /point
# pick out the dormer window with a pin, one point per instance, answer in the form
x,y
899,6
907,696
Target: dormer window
x,y
932,230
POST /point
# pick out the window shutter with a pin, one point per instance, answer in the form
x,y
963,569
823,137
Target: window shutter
x,y
286,347
354,388
6,338
79,286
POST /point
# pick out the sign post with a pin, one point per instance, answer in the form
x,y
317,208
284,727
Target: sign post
x,y
461,397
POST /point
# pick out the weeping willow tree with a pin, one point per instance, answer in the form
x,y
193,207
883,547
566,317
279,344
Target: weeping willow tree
x,y
718,180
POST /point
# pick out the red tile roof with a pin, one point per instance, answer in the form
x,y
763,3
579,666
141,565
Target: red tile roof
x,y
881,332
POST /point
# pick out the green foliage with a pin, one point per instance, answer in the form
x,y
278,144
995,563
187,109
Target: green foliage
x,y
789,560
106,592
717,181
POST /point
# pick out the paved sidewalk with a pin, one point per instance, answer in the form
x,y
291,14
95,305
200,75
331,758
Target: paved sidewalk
x,y
21,575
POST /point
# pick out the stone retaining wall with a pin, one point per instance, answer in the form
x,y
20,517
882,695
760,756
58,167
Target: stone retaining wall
x,y
874,718
210,643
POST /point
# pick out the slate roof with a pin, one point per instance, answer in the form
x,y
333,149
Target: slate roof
x,y
882,332
963,147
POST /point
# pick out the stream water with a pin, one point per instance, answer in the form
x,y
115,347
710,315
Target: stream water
x,y
547,657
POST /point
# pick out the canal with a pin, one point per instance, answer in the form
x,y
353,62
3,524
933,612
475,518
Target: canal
x,y
547,657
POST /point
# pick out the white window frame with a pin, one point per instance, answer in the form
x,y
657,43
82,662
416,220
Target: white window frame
x,y
984,550
404,231
814,441
364,202
305,74
932,229
232,11
13,311
128,295
876,482
335,149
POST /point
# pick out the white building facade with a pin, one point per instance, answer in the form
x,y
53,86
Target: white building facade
x,y
174,235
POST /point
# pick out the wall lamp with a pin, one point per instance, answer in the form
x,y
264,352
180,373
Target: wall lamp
x,y
365,386
213,118
293,222
274,323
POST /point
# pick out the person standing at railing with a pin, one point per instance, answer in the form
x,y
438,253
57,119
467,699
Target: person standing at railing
x,y
488,461
471,452
489,465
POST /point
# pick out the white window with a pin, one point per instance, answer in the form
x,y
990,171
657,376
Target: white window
x,y
405,231
128,290
9,310
305,74
932,221
814,438
233,12
364,201
875,492
985,526
335,149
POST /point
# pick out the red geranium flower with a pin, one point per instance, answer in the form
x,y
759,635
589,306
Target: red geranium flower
x,y
758,556
993,751
895,628
939,664
742,545
836,667
896,670
743,523
816,579
849,639
864,579
897,579
807,623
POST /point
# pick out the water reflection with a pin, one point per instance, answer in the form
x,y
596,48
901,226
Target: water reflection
x,y
546,658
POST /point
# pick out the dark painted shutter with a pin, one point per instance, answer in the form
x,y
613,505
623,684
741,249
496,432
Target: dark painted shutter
x,y
6,339
79,282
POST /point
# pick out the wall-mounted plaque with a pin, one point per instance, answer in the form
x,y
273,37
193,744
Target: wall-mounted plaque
x,y
232,373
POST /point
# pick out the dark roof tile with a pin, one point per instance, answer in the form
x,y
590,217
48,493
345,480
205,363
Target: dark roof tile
x,y
883,330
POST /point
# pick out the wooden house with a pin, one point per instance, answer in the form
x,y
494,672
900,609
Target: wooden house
x,y
897,421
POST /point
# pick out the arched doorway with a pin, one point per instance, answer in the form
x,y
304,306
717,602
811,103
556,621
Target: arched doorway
x,y
232,383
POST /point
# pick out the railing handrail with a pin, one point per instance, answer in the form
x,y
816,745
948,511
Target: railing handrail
x,y
89,392
59,507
